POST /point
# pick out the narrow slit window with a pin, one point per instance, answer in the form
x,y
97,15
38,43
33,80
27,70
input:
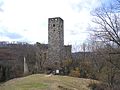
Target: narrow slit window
x,y
53,25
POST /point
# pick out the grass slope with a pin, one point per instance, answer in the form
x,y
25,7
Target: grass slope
x,y
47,82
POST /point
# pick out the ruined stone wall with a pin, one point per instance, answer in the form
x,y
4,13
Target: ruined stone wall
x,y
41,56
67,52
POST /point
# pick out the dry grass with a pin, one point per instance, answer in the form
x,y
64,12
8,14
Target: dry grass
x,y
47,82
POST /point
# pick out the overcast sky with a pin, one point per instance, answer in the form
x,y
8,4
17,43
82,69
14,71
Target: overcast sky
x,y
27,20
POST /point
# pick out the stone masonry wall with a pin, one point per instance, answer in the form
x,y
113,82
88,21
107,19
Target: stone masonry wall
x,y
55,41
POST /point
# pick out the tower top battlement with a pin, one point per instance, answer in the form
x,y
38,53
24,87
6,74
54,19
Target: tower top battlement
x,y
55,19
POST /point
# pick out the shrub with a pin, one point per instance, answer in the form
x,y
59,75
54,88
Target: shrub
x,y
75,73
98,86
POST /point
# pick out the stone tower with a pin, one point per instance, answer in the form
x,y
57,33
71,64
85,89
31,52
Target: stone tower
x,y
55,42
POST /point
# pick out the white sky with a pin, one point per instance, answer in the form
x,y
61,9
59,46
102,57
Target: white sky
x,y
27,20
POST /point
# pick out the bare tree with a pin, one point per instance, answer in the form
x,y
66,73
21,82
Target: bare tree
x,y
108,21
107,31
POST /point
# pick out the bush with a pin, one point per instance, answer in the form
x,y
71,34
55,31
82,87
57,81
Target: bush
x,y
75,73
98,86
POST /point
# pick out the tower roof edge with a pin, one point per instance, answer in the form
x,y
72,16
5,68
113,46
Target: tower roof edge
x,y
56,18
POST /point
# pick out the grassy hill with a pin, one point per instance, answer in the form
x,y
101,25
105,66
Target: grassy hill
x,y
47,82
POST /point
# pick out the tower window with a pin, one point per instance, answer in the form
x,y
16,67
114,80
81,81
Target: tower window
x,y
53,30
56,19
61,26
53,25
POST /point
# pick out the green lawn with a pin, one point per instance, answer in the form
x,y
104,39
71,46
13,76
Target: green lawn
x,y
47,82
